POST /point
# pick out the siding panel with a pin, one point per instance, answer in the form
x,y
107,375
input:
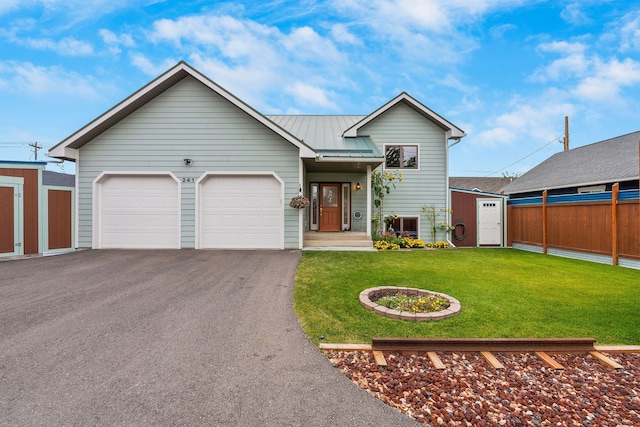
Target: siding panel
x,y
426,186
188,121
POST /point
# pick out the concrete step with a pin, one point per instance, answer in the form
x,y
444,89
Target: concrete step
x,y
337,239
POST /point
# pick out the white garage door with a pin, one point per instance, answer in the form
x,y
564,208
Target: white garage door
x,y
138,212
241,212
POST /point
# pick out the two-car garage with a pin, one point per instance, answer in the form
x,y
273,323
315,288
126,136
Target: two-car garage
x,y
149,211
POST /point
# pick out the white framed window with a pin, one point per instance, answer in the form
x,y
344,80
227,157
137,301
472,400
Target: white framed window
x,y
404,225
401,156
315,206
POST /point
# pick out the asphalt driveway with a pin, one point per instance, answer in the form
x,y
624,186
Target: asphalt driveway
x,y
165,338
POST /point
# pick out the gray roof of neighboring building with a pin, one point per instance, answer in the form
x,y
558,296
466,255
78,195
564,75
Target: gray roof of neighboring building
x,y
608,161
58,179
488,185
324,135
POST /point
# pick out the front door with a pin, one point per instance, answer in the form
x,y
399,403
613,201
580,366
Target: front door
x,y
330,209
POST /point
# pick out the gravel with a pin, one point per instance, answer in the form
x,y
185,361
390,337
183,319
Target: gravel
x,y
527,392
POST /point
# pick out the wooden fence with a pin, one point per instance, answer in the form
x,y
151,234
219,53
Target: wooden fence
x,y
592,226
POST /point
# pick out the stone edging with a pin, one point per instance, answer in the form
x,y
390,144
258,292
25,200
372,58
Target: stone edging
x,y
367,295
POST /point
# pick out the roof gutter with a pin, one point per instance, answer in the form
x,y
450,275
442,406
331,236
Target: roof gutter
x,y
455,142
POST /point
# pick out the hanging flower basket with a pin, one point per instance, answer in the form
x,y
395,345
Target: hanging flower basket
x,y
299,202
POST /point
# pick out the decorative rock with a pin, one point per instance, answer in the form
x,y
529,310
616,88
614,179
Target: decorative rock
x,y
469,392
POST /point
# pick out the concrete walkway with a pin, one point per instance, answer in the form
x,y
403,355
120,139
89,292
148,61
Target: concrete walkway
x,y
165,338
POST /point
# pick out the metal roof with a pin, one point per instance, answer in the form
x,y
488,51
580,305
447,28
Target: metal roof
x,y
608,161
324,135
320,132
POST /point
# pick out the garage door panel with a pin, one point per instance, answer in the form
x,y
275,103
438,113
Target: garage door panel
x,y
139,212
241,212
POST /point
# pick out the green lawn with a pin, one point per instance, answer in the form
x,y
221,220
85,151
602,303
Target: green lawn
x,y
504,293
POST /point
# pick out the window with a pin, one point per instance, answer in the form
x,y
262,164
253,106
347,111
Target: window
x,y
592,189
406,225
401,157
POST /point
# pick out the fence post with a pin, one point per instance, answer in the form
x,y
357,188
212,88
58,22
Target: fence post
x,y
614,223
544,221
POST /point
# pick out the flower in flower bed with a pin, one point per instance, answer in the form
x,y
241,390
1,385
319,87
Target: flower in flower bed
x,y
415,304
396,241
439,245
408,242
385,245
299,202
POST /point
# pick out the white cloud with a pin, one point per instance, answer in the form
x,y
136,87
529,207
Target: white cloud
x,y
607,79
255,61
9,5
539,120
114,41
586,76
498,31
630,32
309,94
574,15
27,78
341,34
145,65
67,46
306,44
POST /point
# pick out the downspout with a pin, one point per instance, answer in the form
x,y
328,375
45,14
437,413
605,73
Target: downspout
x,y
448,192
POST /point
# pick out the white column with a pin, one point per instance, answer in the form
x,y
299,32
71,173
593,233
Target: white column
x,y
368,216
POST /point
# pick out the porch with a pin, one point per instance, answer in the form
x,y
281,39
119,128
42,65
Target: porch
x,y
345,239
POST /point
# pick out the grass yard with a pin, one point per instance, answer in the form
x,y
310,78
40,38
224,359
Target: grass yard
x,y
504,293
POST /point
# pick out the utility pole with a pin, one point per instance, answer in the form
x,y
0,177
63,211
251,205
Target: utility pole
x,y
566,133
36,147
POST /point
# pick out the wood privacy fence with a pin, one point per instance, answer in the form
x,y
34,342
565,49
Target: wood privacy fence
x,y
602,227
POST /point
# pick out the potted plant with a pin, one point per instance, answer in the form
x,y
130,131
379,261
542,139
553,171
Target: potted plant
x,y
299,202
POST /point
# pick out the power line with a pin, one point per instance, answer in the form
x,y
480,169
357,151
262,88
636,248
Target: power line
x,y
558,139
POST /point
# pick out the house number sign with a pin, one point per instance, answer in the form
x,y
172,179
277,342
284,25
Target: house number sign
x,y
190,179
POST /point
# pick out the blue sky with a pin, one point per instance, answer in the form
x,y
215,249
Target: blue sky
x,y
505,71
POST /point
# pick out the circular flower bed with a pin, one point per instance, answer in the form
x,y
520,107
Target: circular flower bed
x,y
419,304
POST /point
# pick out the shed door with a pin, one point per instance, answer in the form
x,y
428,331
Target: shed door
x,y
11,218
138,212
489,221
240,212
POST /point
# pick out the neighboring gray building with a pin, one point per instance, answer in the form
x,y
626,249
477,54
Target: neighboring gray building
x,y
587,169
183,163
58,179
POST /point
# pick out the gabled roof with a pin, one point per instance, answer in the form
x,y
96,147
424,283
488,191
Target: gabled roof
x,y
453,132
609,161
474,183
66,149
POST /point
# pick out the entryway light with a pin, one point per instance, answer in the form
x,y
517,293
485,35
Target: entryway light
x,y
358,186
187,162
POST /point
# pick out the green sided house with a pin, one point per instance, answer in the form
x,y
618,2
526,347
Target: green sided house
x,y
183,163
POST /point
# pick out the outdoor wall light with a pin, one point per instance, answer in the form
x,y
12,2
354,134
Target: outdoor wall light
x,y
358,186
187,162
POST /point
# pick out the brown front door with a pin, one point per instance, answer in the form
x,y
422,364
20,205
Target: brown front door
x,y
330,209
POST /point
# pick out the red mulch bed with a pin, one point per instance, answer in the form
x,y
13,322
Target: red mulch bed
x,y
526,393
